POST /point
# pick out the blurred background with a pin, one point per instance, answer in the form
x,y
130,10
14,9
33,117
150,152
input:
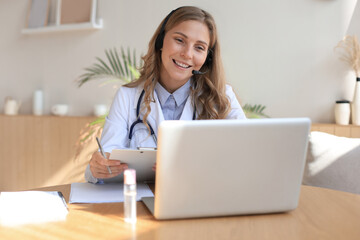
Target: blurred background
x,y
276,53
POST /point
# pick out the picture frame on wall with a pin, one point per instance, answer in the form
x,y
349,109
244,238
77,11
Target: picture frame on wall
x,y
38,13
78,11
61,15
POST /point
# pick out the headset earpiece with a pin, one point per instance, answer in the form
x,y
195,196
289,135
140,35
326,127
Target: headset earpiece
x,y
159,41
208,62
209,58
160,38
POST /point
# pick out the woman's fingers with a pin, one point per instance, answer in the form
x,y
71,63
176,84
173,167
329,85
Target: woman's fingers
x,y
108,162
114,169
99,166
105,175
102,172
104,169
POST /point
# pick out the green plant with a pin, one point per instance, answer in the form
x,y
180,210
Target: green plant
x,y
255,111
117,69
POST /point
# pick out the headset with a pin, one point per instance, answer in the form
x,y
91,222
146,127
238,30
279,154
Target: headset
x,y
160,40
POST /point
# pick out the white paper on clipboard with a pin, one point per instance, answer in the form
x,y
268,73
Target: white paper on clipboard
x,y
140,160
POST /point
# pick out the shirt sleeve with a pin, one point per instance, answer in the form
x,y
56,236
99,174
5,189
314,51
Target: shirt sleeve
x,y
236,110
88,175
115,132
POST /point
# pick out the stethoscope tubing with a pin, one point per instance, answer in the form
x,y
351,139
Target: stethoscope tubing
x,y
139,120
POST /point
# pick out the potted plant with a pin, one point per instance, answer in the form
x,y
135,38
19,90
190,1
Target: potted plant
x,y
349,51
351,54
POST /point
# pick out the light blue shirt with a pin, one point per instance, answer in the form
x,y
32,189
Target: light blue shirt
x,y
172,105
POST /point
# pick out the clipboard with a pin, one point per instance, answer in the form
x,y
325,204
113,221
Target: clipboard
x,y
141,160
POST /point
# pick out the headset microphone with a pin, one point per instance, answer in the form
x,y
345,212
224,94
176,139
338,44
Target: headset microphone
x,y
195,72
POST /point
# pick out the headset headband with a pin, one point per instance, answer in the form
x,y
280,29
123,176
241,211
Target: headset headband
x,y
160,38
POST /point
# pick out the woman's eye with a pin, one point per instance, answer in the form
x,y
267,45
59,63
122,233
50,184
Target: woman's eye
x,y
179,40
200,48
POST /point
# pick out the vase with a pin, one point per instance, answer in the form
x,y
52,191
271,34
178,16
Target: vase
x,y
342,112
38,102
355,105
11,106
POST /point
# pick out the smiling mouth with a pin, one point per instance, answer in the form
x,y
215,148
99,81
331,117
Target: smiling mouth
x,y
182,65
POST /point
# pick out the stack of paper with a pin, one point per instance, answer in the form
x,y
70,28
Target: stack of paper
x,y
31,207
103,193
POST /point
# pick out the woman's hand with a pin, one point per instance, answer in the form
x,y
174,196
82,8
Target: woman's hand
x,y
154,167
99,164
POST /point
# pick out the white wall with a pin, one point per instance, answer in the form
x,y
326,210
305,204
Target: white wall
x,y
277,53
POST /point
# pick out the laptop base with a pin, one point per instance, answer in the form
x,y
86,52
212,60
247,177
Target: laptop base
x,y
149,203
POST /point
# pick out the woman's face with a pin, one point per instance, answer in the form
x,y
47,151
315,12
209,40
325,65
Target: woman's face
x,y
184,49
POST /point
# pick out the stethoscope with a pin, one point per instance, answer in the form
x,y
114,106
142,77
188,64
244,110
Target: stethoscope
x,y
139,120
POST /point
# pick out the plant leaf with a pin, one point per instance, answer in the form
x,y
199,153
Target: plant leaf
x,y
125,62
254,111
108,55
123,69
119,63
103,63
134,72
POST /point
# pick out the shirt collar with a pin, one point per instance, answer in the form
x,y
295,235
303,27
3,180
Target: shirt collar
x,y
180,95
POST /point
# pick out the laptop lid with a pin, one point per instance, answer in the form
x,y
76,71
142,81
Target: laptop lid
x,y
229,167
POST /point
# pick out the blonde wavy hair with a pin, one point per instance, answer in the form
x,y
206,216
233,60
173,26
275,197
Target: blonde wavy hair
x,y
208,90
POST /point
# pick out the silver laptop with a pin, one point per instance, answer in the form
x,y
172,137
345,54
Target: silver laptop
x,y
228,167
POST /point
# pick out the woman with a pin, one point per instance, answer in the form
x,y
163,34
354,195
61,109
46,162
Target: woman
x,y
182,78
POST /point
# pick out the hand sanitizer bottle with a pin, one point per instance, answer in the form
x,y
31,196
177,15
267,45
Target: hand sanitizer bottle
x,y
130,195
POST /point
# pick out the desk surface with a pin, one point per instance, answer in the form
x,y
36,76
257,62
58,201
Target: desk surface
x,y
321,214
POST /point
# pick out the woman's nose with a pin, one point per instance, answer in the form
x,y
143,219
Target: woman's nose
x,y
187,52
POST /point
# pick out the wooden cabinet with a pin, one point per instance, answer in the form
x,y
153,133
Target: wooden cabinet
x,y
351,131
39,151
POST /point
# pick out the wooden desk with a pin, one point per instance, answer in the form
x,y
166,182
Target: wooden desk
x,y
322,214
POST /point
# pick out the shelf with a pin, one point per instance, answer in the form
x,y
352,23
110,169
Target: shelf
x,y
351,131
60,9
65,28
